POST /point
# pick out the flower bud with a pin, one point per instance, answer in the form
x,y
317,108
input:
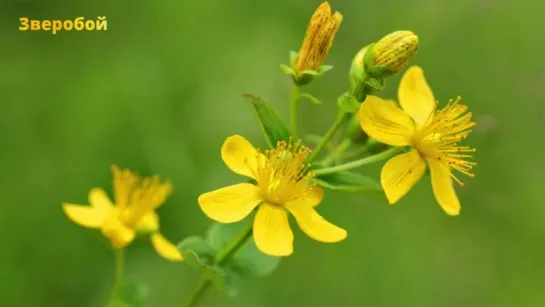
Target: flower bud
x,y
318,39
391,54
361,83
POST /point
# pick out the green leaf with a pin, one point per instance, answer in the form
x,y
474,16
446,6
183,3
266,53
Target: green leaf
x,y
201,256
293,58
287,70
132,294
197,252
271,124
135,294
348,103
225,281
248,260
349,182
324,68
311,98
377,84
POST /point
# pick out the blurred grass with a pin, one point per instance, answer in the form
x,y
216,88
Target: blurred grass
x,y
161,89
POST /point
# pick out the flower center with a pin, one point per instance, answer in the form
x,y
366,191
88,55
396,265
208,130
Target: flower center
x,y
281,172
137,196
439,138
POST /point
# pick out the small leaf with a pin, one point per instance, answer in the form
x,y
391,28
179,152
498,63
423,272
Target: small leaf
x,y
311,98
349,182
377,84
293,58
324,68
135,294
287,70
271,124
248,260
225,281
197,252
348,103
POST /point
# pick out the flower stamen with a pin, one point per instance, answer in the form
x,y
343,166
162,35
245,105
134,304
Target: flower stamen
x,y
439,138
281,172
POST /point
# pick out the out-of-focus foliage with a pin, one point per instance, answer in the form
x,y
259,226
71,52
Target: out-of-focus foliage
x,y
162,88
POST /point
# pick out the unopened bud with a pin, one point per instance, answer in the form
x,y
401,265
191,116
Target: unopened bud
x,y
391,53
318,39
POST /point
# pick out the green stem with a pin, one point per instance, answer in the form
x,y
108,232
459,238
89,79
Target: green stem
x,y
294,108
360,151
355,164
119,268
337,152
200,289
222,256
235,244
329,134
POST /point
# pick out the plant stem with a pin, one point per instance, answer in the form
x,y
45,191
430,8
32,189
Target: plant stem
x,y
339,150
329,134
294,108
222,256
202,285
235,244
354,164
119,268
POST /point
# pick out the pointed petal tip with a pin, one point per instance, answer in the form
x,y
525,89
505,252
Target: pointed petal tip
x,y
165,248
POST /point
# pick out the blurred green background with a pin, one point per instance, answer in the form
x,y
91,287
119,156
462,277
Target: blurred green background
x,y
160,91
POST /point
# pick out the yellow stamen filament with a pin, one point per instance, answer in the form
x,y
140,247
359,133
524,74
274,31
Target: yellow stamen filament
x,y
281,172
142,194
439,138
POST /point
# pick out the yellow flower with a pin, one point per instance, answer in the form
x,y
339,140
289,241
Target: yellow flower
x,y
136,200
434,136
319,37
282,186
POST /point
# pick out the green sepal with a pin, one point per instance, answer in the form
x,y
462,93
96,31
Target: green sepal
x,y
349,182
348,103
372,70
376,84
293,58
324,68
288,70
311,98
248,260
270,122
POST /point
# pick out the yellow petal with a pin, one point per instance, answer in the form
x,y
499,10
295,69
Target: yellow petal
x,y
415,95
314,196
400,174
85,216
313,224
385,121
100,200
165,248
148,222
119,234
124,182
443,187
232,203
240,156
272,232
